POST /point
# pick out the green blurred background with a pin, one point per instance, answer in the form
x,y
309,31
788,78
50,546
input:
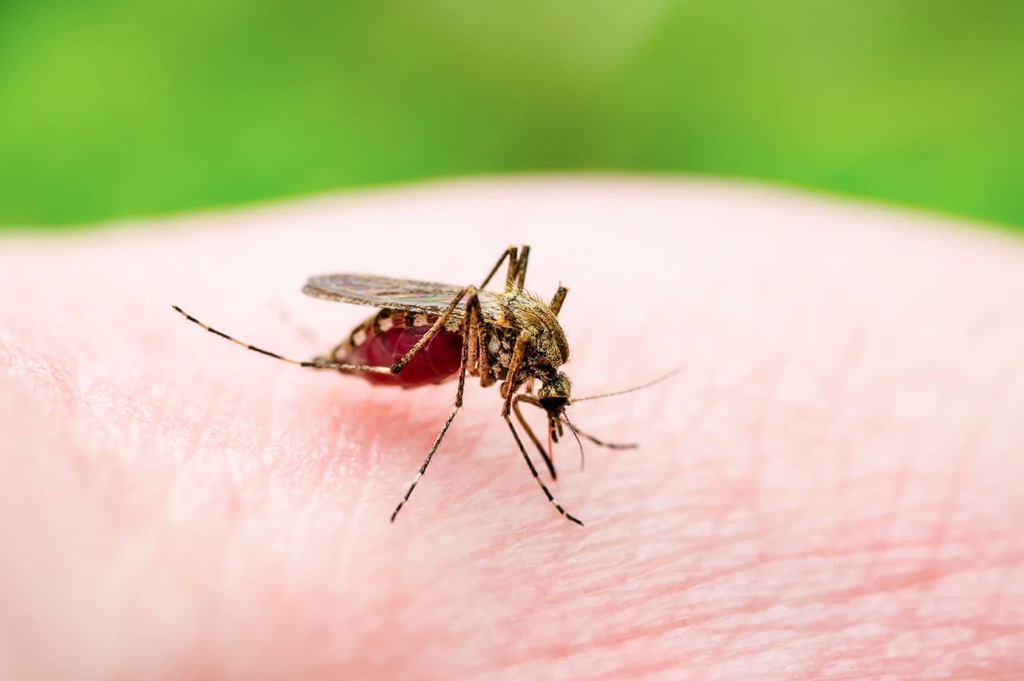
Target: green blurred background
x,y
119,108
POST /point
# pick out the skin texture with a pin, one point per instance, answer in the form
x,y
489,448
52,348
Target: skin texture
x,y
831,487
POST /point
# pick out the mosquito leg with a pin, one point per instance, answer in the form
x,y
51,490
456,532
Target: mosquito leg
x,y
426,462
474,324
511,383
484,369
536,476
509,253
524,255
556,302
513,267
314,364
484,359
476,357
438,325
473,354
529,432
471,328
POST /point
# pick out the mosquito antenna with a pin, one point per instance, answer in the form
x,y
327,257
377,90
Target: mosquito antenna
x,y
576,435
628,390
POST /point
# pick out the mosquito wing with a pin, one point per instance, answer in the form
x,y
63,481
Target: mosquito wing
x,y
397,294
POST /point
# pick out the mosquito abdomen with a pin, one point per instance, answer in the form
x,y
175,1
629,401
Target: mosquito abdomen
x,y
385,338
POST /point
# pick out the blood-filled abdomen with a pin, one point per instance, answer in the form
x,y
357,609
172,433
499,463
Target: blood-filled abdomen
x,y
437,362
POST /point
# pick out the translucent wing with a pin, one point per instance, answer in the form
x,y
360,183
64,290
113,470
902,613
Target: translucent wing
x,y
398,294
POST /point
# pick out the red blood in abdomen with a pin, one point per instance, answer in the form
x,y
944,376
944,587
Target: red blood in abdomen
x,y
438,361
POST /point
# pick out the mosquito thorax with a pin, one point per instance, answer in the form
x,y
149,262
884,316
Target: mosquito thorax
x,y
548,344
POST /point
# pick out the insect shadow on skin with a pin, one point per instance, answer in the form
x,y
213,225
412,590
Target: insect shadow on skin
x,y
426,333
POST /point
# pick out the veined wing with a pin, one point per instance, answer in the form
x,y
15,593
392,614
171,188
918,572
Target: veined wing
x,y
398,294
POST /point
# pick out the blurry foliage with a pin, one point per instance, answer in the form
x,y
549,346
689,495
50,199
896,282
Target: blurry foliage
x,y
112,108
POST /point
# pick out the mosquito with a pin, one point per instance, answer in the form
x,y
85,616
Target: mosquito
x,y
427,333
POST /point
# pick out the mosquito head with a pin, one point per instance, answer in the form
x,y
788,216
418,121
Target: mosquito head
x,y
553,393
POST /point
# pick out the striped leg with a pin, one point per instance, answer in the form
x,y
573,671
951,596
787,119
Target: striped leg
x,y
520,278
472,329
516,275
536,476
556,302
313,365
511,253
512,380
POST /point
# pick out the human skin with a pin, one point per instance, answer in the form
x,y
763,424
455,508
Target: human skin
x,y
830,487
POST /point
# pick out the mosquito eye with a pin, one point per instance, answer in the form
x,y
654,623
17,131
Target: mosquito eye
x,y
552,403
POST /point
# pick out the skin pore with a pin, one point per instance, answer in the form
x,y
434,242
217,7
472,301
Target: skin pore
x,y
830,488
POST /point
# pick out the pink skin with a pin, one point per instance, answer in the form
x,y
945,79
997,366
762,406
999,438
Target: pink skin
x,y
831,488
